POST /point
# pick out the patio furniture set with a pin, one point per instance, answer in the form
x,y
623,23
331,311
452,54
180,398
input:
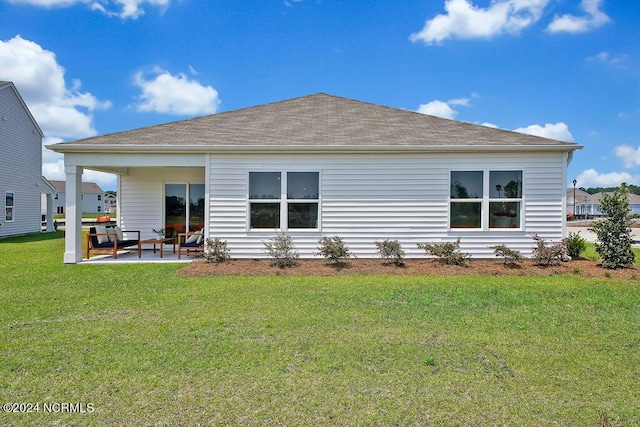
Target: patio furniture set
x,y
101,239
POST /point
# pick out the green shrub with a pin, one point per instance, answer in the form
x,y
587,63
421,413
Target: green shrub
x,y
511,256
215,250
391,250
333,249
613,233
575,245
282,251
446,252
546,254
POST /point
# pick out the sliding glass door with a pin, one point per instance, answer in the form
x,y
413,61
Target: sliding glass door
x,y
183,208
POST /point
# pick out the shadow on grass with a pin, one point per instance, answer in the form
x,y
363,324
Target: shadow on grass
x,y
35,237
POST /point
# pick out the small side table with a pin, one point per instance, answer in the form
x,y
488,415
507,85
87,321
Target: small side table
x,y
154,242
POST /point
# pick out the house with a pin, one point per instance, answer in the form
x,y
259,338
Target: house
x,y
21,181
577,206
110,203
92,197
324,165
592,205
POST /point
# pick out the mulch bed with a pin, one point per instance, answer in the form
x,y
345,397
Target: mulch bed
x,y
263,267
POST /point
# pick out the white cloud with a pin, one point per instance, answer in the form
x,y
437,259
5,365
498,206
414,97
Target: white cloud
x,y
124,9
630,155
463,20
165,93
61,111
443,108
592,178
558,131
438,108
593,18
489,125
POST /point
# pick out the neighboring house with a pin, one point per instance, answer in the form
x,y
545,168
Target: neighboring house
x,y
21,181
92,197
110,203
324,165
593,203
577,206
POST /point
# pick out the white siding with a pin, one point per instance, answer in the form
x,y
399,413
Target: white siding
x,y
20,167
140,195
365,198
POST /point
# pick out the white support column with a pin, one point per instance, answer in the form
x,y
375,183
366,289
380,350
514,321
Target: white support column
x,y
50,213
73,222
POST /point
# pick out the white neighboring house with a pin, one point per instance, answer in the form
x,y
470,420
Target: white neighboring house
x,y
324,165
110,203
577,206
21,181
92,197
593,203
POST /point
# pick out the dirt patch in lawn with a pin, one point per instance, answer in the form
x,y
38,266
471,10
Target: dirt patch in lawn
x,y
263,267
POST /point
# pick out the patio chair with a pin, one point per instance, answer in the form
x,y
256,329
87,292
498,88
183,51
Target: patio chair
x,y
108,239
191,241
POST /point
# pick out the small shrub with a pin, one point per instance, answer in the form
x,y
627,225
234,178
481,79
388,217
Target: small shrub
x,y
511,256
391,250
575,245
333,249
447,252
215,250
614,237
545,254
282,251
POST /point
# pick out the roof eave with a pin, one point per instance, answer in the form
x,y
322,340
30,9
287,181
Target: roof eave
x,y
167,149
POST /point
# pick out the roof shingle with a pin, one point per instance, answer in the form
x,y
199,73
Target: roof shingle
x,y
320,120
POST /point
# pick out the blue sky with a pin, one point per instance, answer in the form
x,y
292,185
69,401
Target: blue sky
x,y
568,70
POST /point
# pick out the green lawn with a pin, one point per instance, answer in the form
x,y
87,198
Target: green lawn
x,y
144,346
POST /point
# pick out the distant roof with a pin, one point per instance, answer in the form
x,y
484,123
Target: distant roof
x,y
596,198
87,187
318,120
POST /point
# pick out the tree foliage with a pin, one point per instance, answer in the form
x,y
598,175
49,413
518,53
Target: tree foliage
x,y
613,233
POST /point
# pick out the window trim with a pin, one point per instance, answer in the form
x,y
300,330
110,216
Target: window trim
x,y
284,202
11,208
485,201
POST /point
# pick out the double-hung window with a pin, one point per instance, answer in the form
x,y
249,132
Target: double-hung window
x,y
9,205
485,199
505,199
284,200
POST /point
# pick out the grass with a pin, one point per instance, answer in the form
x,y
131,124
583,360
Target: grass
x,y
147,347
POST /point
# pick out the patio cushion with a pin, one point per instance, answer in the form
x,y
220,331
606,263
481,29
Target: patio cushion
x,y
191,239
111,234
101,229
118,231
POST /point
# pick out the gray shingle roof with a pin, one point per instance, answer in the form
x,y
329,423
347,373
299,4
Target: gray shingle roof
x,y
319,120
87,187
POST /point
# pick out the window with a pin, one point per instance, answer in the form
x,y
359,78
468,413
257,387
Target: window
x,y
99,197
291,203
505,199
9,205
466,199
485,199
